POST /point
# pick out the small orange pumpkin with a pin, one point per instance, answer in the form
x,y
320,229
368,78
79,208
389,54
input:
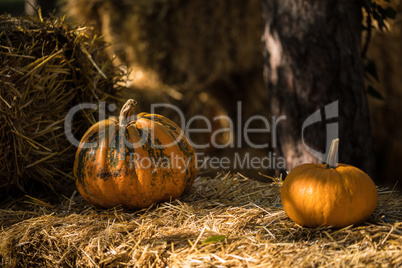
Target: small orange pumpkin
x,y
328,194
134,161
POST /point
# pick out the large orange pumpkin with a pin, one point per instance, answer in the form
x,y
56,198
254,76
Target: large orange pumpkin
x,y
328,194
134,161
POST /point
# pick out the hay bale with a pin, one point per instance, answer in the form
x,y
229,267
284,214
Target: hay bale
x,y
226,221
47,67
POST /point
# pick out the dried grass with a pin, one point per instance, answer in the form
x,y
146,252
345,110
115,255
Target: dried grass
x,y
46,67
226,221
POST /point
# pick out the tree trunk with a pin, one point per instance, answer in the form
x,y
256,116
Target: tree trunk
x,y
312,55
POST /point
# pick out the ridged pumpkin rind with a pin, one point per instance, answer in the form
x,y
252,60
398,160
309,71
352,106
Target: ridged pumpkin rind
x,y
108,174
314,195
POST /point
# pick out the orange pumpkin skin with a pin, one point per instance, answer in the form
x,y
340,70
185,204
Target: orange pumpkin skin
x,y
110,173
314,195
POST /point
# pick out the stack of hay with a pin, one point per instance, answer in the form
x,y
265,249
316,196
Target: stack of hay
x,y
226,221
47,67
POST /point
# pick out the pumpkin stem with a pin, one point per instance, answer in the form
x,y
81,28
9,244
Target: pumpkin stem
x,y
333,154
127,111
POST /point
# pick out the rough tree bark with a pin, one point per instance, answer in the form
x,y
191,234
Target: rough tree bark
x,y
312,52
